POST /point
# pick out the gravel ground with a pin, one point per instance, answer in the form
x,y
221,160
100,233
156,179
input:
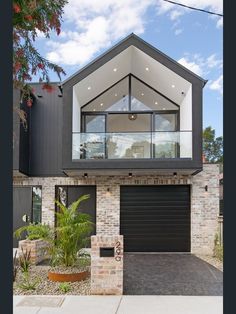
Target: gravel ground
x,y
212,260
44,286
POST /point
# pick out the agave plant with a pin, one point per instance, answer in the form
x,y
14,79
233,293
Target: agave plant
x,y
15,266
72,232
24,260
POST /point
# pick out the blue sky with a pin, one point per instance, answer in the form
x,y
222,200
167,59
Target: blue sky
x,y
192,38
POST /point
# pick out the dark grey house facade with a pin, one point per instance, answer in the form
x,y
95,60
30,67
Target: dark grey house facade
x,y
126,129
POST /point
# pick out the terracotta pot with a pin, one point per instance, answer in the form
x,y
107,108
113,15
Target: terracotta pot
x,y
68,277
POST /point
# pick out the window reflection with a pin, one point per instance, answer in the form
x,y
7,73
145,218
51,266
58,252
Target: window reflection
x,y
165,122
36,204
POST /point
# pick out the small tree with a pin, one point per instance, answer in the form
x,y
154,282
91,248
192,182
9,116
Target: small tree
x,y
212,146
29,18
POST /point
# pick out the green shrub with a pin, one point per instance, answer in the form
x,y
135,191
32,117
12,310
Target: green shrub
x,y
218,249
72,233
84,259
35,232
64,287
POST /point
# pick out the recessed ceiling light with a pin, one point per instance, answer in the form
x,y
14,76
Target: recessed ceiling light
x,y
94,109
89,87
164,108
115,69
101,104
142,94
115,95
156,103
147,69
173,86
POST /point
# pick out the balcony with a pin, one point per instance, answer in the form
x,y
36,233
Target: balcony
x,y
132,145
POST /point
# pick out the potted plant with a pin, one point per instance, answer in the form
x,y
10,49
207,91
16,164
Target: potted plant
x,y
72,234
38,240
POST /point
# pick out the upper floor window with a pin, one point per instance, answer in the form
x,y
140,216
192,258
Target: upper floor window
x,y
130,94
130,120
116,98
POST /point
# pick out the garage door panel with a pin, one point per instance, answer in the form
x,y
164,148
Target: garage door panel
x,y
155,218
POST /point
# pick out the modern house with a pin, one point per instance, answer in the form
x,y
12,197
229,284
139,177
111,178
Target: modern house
x,y
126,129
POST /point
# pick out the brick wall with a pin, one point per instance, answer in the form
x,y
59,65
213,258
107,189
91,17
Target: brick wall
x,y
204,205
107,272
204,209
37,248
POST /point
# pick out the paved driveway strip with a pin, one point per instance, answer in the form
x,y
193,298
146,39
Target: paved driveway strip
x,y
127,305
170,274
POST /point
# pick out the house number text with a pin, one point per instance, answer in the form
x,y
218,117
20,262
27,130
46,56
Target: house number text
x,y
118,251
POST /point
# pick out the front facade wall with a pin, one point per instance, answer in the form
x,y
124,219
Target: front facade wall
x,y
204,209
204,204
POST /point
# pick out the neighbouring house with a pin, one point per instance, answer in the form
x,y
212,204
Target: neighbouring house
x,y
126,129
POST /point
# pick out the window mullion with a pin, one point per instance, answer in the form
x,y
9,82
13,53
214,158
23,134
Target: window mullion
x,y
130,92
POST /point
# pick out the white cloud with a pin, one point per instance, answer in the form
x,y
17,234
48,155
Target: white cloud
x,y
178,31
219,23
93,25
40,34
176,11
175,14
96,25
213,62
217,85
191,65
199,65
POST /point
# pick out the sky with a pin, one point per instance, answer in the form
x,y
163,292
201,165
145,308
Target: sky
x,y
195,39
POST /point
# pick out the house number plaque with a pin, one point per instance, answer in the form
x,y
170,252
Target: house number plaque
x,y
118,251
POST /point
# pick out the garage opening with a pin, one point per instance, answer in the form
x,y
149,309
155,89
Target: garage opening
x,y
155,218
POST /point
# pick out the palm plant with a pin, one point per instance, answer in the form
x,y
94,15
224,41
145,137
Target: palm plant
x,y
72,232
34,232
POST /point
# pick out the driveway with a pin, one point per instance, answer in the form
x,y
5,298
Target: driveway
x,y
170,274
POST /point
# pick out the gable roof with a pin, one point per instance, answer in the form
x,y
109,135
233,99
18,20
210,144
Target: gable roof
x,y
139,43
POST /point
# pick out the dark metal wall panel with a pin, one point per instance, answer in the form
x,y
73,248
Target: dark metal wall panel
x,y
20,135
16,129
46,133
24,141
155,218
22,204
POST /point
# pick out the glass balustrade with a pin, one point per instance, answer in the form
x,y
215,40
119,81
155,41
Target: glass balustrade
x,y
137,145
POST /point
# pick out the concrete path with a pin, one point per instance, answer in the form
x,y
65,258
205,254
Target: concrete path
x,y
118,305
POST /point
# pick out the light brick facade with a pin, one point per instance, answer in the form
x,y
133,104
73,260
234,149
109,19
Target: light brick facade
x,y
107,272
204,205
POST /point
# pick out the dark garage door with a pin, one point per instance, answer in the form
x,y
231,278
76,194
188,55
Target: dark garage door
x,y
155,218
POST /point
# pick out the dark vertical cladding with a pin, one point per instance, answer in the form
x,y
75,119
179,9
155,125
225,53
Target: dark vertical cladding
x,y
67,126
16,129
197,122
20,135
24,155
46,132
